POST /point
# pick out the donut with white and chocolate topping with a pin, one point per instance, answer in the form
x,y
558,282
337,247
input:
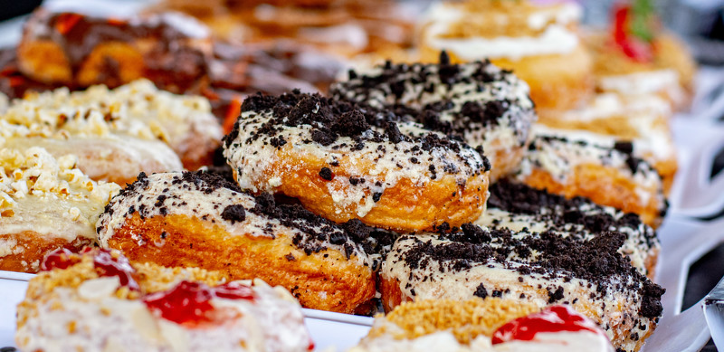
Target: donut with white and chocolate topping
x,y
517,207
577,163
477,102
542,268
345,162
204,220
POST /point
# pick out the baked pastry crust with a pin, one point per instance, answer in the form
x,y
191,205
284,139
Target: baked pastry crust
x,y
45,203
463,265
192,220
485,106
351,163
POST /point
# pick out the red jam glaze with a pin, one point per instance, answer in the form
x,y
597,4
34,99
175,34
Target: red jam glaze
x,y
107,265
633,47
189,303
552,319
60,258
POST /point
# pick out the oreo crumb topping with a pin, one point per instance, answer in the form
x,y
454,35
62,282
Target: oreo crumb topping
x,y
464,101
546,254
481,292
326,173
315,233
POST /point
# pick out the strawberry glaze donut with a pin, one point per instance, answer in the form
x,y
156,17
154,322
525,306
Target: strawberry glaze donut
x,y
203,220
346,163
99,301
477,101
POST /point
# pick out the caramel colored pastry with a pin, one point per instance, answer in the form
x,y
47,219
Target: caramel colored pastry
x,y
478,325
540,268
539,43
485,106
344,163
99,301
45,203
73,49
520,208
640,120
138,109
575,163
205,221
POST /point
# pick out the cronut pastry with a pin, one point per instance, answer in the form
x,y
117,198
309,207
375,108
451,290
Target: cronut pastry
x,y
479,102
203,220
45,203
344,162
478,325
573,163
541,268
101,302
539,42
519,208
137,110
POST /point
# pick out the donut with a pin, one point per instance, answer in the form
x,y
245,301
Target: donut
x,y
137,109
204,220
518,207
477,101
573,163
344,162
539,42
73,49
541,268
99,301
668,73
639,119
45,203
482,325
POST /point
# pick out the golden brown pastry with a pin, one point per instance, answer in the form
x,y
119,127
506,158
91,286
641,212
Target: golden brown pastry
x,y
205,221
576,163
344,163
45,203
540,268
482,104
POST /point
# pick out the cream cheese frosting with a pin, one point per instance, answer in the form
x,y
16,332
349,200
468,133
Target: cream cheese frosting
x,y
49,196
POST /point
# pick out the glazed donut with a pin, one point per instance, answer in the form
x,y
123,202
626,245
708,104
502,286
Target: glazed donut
x,y
669,75
344,163
541,268
100,302
484,105
573,163
639,119
45,203
517,207
138,109
538,42
482,325
203,220
170,49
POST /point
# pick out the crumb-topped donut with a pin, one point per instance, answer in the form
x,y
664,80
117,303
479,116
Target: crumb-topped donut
x,y
478,325
517,207
479,102
137,109
203,220
102,302
45,204
542,268
345,162
572,163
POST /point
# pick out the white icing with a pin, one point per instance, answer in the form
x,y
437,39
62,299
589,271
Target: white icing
x,y
96,320
581,341
565,13
647,82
